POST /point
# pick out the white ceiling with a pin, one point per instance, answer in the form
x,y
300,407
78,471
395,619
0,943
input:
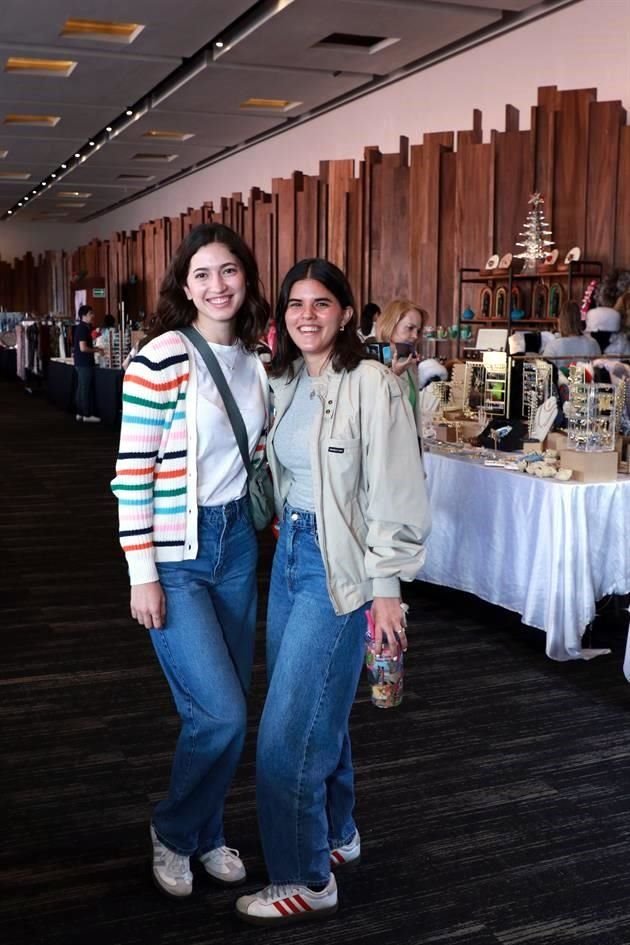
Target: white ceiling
x,y
270,52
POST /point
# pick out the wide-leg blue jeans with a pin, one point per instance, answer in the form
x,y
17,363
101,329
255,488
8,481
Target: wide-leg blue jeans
x,y
206,651
304,776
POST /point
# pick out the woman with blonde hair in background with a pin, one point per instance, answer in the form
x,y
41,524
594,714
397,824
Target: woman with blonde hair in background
x,y
400,325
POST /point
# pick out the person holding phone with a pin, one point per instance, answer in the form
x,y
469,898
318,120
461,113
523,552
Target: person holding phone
x,y
350,494
400,326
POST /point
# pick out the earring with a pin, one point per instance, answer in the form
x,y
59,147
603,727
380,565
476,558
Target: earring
x,y
343,328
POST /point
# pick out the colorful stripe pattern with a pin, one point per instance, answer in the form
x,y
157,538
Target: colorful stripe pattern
x,y
151,468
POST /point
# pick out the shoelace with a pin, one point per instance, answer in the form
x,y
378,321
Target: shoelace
x,y
178,866
223,852
277,891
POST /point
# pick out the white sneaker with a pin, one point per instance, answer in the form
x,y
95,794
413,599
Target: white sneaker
x,y
79,417
348,853
224,865
171,871
281,904
91,419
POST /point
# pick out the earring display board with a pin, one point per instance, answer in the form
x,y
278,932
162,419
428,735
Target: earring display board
x,y
594,413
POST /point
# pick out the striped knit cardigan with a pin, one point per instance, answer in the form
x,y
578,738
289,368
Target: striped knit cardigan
x,y
156,469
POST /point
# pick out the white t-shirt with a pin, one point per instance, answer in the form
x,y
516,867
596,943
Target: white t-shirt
x,y
221,476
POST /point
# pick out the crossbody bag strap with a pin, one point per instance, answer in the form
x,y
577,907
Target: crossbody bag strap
x,y
231,408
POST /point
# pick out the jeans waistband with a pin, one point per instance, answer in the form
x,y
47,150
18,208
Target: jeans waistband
x,y
229,512
298,518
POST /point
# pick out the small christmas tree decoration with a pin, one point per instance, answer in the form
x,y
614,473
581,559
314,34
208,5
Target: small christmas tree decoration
x,y
536,233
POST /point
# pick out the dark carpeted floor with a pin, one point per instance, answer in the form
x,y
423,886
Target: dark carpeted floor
x,y
494,804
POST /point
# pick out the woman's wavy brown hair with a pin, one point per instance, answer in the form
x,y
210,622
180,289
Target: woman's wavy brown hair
x,y
175,311
347,349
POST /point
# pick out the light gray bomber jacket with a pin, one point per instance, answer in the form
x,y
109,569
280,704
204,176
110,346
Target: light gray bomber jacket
x,y
371,503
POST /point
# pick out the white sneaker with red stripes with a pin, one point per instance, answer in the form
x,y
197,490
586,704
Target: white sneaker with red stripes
x,y
348,853
281,904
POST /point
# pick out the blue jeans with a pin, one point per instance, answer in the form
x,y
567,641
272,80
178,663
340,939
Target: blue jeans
x,y
305,781
206,651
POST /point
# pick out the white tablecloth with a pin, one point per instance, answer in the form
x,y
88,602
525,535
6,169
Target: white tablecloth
x,y
547,550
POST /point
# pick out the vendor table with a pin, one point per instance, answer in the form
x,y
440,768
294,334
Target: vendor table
x,y
545,549
60,384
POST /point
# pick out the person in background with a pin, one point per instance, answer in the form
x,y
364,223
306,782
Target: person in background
x,y
400,326
187,534
569,343
350,494
619,343
369,319
83,354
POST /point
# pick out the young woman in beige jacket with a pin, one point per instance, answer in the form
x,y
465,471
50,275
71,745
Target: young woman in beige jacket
x,y
354,519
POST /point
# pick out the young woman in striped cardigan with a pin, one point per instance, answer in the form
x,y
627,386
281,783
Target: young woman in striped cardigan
x,y
187,535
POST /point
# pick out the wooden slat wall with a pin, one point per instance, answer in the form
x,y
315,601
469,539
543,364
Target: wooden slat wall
x,y
399,224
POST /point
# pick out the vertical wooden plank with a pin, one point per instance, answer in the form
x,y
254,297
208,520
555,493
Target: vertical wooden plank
x,y
474,205
475,135
354,249
307,218
393,227
605,123
622,235
285,213
372,156
514,183
340,173
544,129
571,163
447,273
424,224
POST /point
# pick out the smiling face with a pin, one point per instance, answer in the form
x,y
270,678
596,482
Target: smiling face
x,y
409,327
313,318
216,286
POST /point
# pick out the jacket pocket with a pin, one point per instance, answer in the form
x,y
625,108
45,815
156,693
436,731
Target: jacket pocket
x,y
343,463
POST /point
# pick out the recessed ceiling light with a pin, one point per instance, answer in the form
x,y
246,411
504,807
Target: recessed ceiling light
x,y
91,143
269,104
10,212
219,44
34,191
105,31
39,121
53,175
168,135
135,177
109,128
25,199
58,68
129,111
154,158
64,166
77,154
20,204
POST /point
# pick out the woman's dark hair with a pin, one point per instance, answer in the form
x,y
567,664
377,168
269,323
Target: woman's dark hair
x,y
369,313
109,321
347,349
569,319
174,310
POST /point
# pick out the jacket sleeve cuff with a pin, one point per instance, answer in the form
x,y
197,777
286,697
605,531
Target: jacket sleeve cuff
x,y
142,572
386,587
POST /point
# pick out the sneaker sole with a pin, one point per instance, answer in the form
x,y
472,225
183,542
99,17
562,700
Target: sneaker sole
x,y
224,883
311,916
